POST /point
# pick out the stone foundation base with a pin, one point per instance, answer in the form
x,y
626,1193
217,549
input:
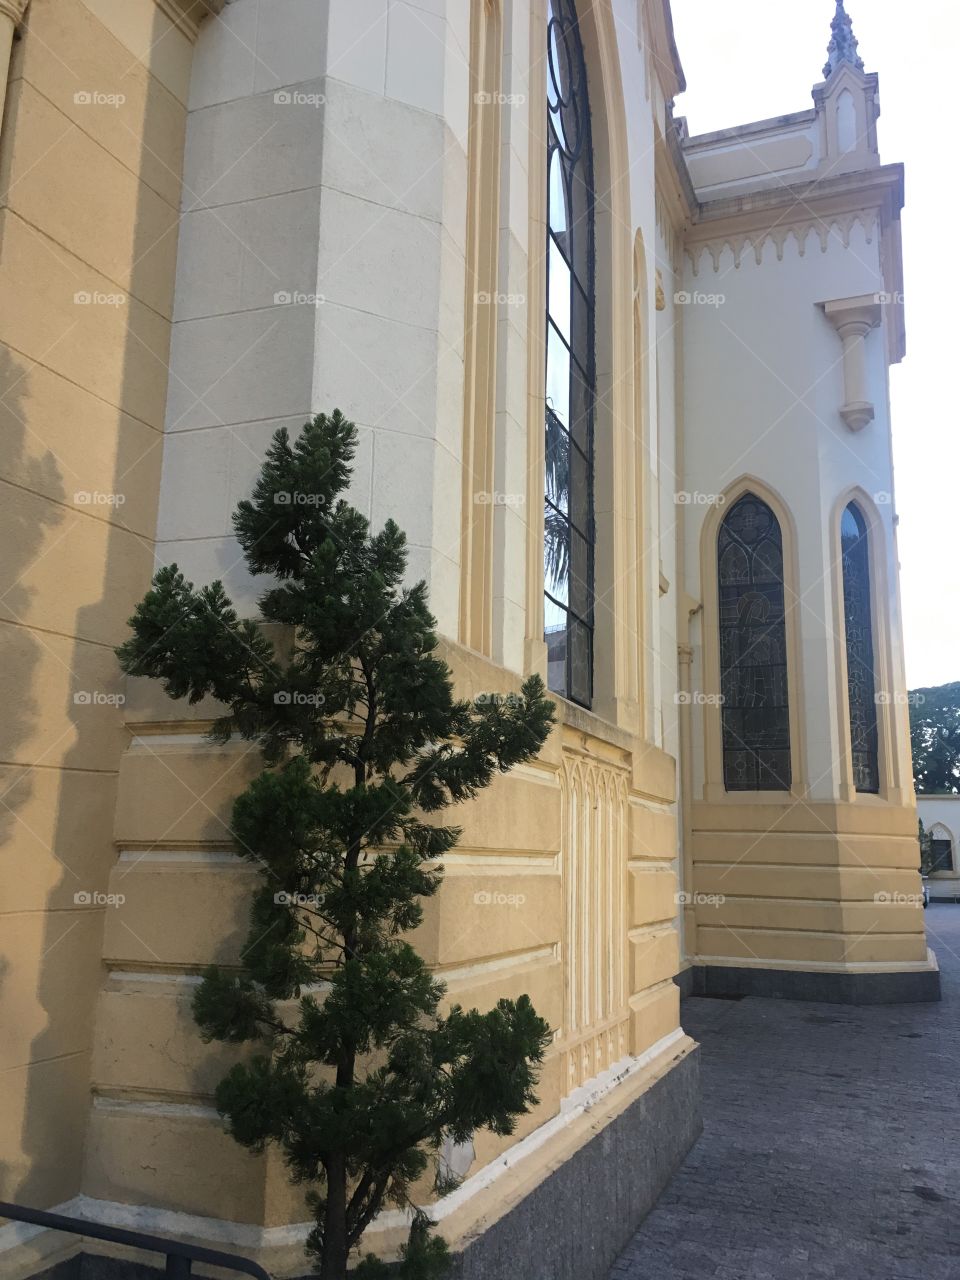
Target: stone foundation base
x,y
913,986
569,1221
576,1223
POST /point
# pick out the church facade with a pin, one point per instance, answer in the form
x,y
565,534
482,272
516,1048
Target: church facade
x,y
624,388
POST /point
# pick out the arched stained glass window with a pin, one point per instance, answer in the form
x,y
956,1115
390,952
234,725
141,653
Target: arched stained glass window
x,y
861,681
569,535
753,650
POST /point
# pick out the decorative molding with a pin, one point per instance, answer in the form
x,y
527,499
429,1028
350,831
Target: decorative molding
x,y
483,266
596,1023
184,14
853,318
632,1070
662,47
836,226
843,44
14,10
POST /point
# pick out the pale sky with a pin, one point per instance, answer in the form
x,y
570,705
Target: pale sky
x,y
750,59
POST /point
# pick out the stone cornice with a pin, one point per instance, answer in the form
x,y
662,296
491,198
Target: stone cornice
x,y
668,65
14,10
185,14
773,124
812,212
676,202
866,188
871,197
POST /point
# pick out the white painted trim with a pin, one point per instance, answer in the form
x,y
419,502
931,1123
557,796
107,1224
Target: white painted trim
x,y
542,774
483,967
147,741
544,864
248,1236
175,1110
171,979
220,857
575,1105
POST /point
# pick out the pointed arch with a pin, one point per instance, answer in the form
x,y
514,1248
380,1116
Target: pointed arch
x,y
571,363
761,597
751,617
889,684
943,849
860,651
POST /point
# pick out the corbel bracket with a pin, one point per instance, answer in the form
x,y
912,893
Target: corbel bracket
x,y
853,318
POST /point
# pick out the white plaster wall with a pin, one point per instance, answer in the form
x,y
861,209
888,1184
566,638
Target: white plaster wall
x,y
645,117
763,386
944,809
352,195
510,517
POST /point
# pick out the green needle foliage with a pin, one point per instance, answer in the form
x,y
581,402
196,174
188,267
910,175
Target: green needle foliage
x,y
358,1075
935,739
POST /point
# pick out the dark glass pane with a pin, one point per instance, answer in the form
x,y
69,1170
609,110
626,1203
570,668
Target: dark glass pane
x,y
861,682
581,486
581,409
941,855
557,196
753,650
581,662
558,289
555,638
558,376
581,576
570,373
580,212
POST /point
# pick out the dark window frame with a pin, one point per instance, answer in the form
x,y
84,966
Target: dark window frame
x,y
860,650
569,519
754,668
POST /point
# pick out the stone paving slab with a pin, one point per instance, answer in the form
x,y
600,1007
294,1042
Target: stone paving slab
x,y
831,1143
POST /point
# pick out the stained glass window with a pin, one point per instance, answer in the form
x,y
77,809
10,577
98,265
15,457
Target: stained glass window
x,y
861,682
571,373
753,650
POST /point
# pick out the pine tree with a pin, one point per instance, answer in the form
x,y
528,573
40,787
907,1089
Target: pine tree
x,y
357,1073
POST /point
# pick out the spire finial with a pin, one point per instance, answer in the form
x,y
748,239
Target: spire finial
x,y
843,43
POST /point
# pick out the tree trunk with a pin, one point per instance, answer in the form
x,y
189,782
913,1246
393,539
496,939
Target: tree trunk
x,y
333,1261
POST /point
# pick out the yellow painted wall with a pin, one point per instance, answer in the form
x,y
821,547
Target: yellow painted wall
x,y
89,194
562,886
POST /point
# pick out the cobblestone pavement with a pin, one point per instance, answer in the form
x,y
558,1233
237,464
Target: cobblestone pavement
x,y
831,1144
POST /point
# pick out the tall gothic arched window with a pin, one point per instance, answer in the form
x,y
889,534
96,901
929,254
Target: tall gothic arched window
x,y
569,535
753,649
861,679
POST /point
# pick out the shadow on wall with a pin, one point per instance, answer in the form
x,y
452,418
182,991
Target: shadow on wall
x,y
92,561
27,527
57,1157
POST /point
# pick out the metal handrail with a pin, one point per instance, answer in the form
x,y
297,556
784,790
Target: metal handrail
x,y
180,1257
